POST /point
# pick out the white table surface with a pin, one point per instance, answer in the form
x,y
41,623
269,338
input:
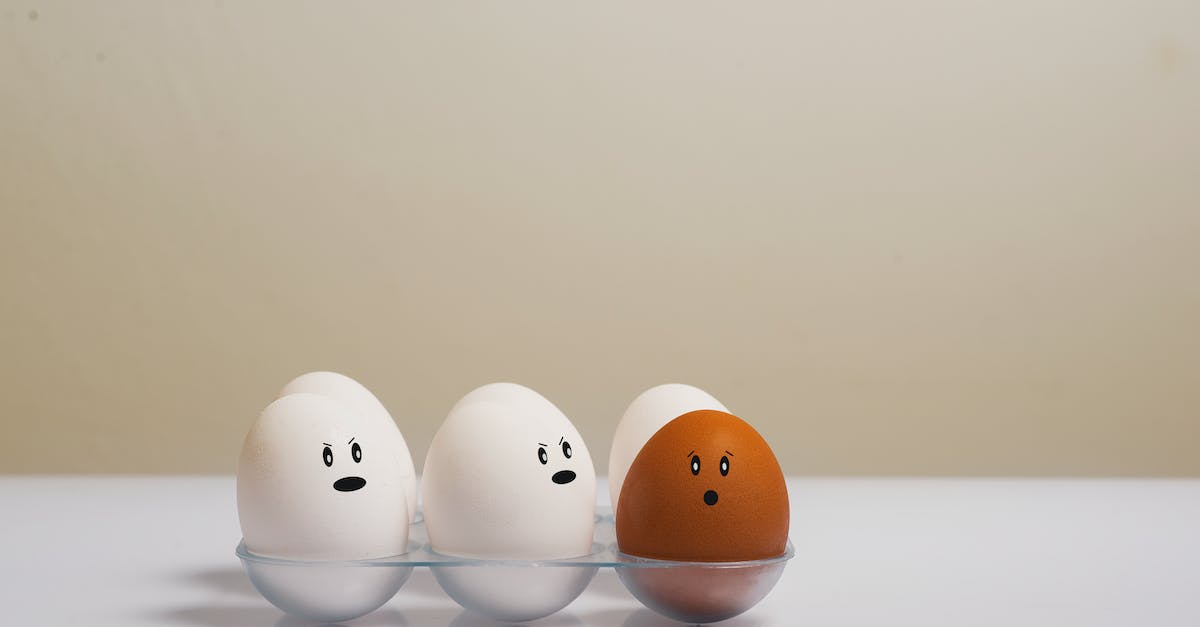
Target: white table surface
x,y
159,551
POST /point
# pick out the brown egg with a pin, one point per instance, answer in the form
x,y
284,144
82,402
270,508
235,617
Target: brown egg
x,y
705,488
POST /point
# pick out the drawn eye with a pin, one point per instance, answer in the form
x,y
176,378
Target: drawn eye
x,y
356,452
542,456
695,464
328,455
567,449
724,465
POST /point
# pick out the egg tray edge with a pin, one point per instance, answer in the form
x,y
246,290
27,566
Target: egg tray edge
x,y
604,555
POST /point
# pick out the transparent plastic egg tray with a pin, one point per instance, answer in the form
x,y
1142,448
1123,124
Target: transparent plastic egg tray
x,y
513,590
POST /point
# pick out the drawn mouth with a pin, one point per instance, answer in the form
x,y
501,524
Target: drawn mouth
x,y
710,498
349,484
563,476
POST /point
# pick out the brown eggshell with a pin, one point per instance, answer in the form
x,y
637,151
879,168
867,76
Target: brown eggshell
x,y
664,510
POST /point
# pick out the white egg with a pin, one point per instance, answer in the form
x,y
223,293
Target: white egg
x,y
648,413
318,480
356,395
507,476
512,394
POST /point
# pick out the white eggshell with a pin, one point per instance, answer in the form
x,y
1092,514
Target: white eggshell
x,y
512,394
356,395
488,494
293,504
648,413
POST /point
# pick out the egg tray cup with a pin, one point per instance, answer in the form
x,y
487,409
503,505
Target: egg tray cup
x,y
513,590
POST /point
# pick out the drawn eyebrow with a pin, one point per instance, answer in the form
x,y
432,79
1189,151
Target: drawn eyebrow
x,y
561,439
728,453
326,444
690,454
351,441
540,444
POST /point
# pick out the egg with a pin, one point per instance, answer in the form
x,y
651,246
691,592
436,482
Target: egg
x,y
511,394
706,487
507,476
643,418
352,393
509,479
318,480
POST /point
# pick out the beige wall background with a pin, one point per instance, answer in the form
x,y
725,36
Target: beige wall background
x,y
932,237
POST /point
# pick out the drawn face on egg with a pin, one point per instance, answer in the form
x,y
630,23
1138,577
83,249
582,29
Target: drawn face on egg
x,y
349,392
535,410
315,480
348,483
507,476
705,487
643,418
562,477
711,496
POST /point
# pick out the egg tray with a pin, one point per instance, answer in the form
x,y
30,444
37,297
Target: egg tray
x,y
513,590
